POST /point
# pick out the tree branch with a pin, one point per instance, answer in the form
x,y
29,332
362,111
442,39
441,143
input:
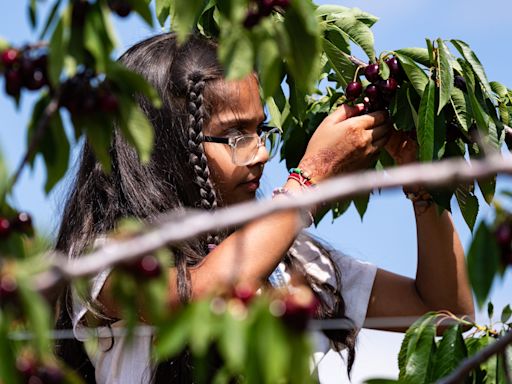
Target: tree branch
x,y
467,365
173,229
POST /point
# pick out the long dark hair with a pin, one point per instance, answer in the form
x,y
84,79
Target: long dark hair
x,y
187,77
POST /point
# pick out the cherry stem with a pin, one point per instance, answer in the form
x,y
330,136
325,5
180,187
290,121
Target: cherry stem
x,y
357,71
42,124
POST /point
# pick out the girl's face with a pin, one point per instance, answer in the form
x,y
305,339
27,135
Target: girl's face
x,y
239,112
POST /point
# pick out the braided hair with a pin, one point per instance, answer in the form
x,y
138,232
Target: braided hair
x,y
188,78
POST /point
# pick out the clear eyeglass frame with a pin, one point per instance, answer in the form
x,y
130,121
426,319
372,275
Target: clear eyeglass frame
x,y
244,148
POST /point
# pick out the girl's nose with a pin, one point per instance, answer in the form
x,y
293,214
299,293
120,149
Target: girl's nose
x,y
262,155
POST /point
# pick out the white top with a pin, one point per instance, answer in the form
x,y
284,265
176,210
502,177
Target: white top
x,y
131,363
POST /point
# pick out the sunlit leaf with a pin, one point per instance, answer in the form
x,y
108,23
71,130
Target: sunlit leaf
x,y
426,114
444,74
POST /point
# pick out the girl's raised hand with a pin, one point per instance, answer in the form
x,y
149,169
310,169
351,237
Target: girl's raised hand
x,y
346,141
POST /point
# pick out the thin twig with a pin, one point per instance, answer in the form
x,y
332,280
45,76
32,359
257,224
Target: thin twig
x,y
174,229
39,131
467,365
506,368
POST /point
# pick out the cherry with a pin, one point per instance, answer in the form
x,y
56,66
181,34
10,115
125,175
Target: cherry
x,y
26,366
506,257
22,222
13,82
121,7
146,267
244,293
353,90
8,289
394,67
109,103
265,7
5,228
9,57
282,3
503,234
460,83
388,87
51,374
371,72
252,19
373,93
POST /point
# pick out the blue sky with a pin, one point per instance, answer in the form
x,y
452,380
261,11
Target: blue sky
x,y
387,236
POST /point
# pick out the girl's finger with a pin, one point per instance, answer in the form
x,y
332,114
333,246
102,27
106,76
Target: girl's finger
x,y
346,111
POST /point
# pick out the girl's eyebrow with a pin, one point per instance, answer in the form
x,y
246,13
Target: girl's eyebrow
x,y
240,121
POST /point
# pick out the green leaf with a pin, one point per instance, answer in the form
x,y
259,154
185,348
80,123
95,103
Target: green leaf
x,y
490,310
383,70
488,188
8,371
32,13
96,38
269,64
420,55
142,8
361,204
163,10
359,33
334,12
339,61
400,109
236,53
185,16
99,134
499,89
444,72
233,341
414,73
475,64
461,107
136,128
450,352
426,116
506,313
468,204
416,352
57,50
50,19
173,336
483,262
339,38
303,35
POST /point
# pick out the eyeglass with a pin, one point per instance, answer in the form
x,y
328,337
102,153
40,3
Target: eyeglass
x,y
244,148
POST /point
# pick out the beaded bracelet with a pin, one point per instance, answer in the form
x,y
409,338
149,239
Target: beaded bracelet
x,y
421,198
300,176
307,216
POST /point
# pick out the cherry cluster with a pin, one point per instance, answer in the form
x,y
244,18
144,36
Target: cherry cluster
x,y
21,223
261,9
503,236
25,67
379,92
85,93
35,372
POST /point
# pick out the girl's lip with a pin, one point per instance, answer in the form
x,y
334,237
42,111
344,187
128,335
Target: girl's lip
x,y
252,186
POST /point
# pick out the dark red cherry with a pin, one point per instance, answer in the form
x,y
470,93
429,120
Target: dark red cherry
x,y
353,90
371,72
9,57
506,258
36,81
244,293
282,3
252,19
460,83
372,91
26,366
22,222
51,374
5,228
394,67
503,234
265,7
13,82
109,103
388,87
121,7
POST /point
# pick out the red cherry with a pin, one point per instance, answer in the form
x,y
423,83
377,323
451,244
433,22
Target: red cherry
x,y
353,90
121,7
26,366
13,82
8,289
265,7
146,267
22,222
51,374
9,57
109,103
5,228
244,293
394,67
282,3
503,235
460,83
373,93
36,81
388,87
371,72
252,19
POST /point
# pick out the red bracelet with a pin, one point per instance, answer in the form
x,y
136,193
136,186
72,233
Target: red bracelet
x,y
298,177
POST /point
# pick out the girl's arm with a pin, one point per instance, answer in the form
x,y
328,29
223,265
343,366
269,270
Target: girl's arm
x,y
344,141
441,280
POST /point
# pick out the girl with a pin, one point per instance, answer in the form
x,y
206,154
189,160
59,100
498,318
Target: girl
x,y
209,153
